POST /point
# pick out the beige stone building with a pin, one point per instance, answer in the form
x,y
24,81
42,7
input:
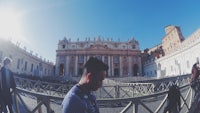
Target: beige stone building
x,y
174,56
172,40
24,61
123,58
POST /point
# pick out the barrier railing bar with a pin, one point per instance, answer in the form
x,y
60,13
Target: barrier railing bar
x,y
191,95
16,102
135,107
22,101
161,104
127,107
184,99
38,107
145,106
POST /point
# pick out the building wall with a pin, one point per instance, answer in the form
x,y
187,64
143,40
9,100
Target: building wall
x,y
24,62
172,40
178,62
123,58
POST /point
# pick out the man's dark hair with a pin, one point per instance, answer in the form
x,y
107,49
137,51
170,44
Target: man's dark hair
x,y
94,65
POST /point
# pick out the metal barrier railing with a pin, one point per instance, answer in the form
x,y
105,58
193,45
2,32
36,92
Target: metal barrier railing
x,y
133,104
119,90
125,90
126,95
40,99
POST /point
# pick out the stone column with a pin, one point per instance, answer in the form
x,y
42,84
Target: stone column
x,y
112,66
109,69
87,57
102,58
120,66
140,66
130,72
76,65
67,66
57,65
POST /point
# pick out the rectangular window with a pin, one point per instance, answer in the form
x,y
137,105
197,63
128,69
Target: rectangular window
x,y
40,66
133,46
81,59
31,67
134,59
99,57
45,71
63,46
48,72
106,59
22,61
25,67
18,63
116,59
62,58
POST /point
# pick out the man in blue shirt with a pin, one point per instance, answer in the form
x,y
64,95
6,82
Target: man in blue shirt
x,y
80,98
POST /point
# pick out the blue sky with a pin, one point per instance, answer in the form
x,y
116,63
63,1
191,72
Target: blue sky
x,y
43,23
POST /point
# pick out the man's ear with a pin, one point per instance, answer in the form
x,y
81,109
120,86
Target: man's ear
x,y
88,77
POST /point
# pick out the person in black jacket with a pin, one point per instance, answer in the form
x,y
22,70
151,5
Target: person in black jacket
x,y
8,85
173,100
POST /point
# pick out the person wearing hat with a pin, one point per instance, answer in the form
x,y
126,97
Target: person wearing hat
x,y
8,85
80,98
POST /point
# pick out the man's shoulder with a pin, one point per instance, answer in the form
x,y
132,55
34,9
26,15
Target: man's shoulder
x,y
72,100
73,93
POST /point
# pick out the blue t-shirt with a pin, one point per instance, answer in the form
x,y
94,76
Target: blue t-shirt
x,y
76,101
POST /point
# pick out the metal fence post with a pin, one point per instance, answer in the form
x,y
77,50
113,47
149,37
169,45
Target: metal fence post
x,y
47,104
16,101
117,92
135,107
39,109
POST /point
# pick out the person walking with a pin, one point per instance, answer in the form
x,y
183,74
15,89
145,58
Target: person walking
x,y
173,100
194,81
8,85
195,71
80,98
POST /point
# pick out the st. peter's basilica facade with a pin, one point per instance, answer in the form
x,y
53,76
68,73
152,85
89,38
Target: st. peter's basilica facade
x,y
123,58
